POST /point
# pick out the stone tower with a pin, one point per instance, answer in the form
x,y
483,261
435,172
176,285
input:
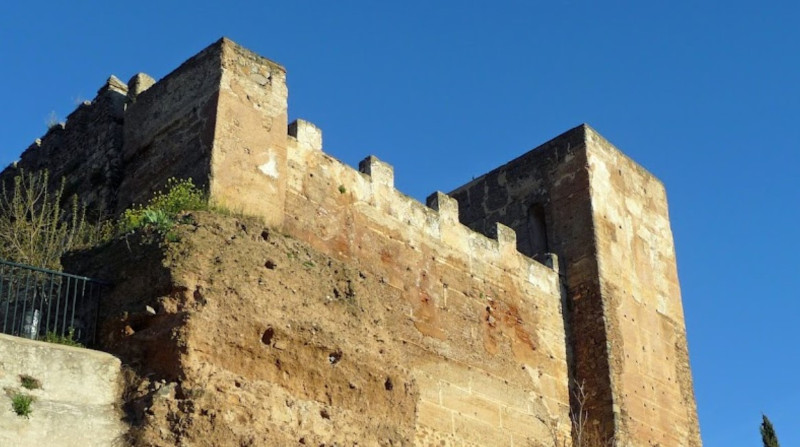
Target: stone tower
x,y
607,220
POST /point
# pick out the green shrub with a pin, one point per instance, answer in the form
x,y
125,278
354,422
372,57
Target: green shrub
x,y
161,212
68,339
21,403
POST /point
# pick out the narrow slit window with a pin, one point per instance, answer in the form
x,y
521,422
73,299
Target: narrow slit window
x,y
537,232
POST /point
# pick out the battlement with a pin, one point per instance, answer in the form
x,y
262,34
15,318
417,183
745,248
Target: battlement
x,y
371,190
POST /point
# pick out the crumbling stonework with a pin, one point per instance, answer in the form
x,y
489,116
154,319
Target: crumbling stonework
x,y
384,321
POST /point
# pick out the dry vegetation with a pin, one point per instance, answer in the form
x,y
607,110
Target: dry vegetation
x,y
38,226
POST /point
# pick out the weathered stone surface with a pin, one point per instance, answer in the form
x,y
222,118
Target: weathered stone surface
x,y
318,348
85,151
606,219
138,84
77,399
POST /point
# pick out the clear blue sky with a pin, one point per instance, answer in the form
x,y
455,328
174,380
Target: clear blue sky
x,y
704,96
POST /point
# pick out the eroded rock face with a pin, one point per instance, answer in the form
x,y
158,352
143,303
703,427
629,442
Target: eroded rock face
x,y
256,341
259,340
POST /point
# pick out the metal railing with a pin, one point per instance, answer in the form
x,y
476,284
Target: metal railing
x,y
40,304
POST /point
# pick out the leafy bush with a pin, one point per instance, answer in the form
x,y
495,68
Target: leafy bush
x,y
162,210
21,404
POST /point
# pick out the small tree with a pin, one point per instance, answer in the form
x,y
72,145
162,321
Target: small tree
x,y
768,436
34,228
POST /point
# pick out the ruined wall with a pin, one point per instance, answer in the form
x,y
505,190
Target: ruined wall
x,y
256,337
607,219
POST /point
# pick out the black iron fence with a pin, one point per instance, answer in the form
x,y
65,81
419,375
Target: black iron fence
x,y
43,304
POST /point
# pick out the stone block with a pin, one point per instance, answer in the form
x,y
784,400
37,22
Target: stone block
x,y
435,416
524,423
75,403
380,173
495,388
308,135
445,205
465,403
477,432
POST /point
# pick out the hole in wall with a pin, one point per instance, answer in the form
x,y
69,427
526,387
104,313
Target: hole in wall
x,y
198,295
266,337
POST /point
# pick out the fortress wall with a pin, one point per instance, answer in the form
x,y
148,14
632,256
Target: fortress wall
x,y
484,328
85,150
485,333
220,119
607,219
555,177
169,129
248,162
649,357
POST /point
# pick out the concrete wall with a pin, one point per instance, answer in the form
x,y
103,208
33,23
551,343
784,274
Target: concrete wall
x,y
77,403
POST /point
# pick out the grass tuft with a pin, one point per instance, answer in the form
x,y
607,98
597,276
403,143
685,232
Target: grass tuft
x,y
21,404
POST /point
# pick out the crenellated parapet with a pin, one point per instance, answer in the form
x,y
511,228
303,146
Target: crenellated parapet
x,y
438,219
